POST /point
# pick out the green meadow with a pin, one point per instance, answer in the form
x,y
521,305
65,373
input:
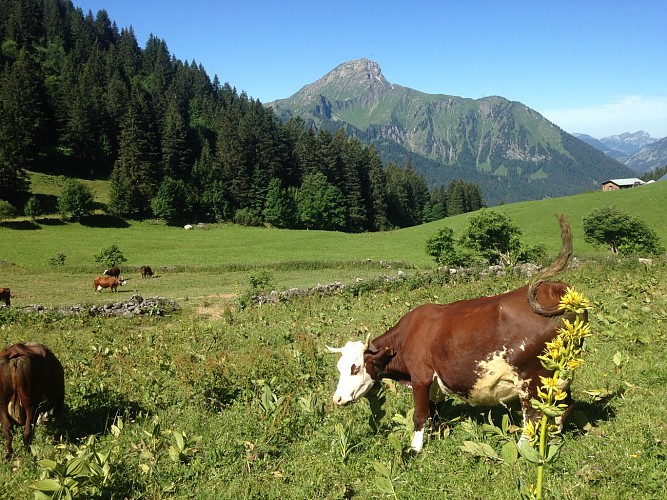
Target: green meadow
x,y
218,401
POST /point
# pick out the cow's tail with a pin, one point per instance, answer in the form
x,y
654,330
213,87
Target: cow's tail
x,y
556,266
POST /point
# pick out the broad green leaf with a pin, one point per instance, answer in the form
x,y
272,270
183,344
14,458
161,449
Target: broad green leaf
x,y
384,484
382,469
553,450
76,466
179,439
45,485
395,442
48,464
528,452
509,452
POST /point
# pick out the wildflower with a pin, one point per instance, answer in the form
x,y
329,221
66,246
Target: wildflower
x,y
574,301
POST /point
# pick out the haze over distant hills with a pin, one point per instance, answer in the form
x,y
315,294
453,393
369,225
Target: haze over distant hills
x,y
637,150
512,151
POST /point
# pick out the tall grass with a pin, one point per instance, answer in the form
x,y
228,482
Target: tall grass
x,y
249,394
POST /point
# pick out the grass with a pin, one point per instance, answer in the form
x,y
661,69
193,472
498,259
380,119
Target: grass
x,y
250,388
251,392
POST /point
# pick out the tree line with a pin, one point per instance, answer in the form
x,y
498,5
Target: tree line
x,y
79,96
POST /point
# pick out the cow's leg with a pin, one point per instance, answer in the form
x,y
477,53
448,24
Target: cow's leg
x,y
421,400
6,430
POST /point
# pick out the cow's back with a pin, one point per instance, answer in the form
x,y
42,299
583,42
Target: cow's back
x,y
451,340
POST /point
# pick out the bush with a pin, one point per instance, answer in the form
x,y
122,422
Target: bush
x,y
111,256
440,246
7,210
75,201
58,260
494,235
622,232
33,208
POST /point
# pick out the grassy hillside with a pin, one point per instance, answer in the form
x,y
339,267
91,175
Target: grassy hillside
x,y
220,402
240,407
220,257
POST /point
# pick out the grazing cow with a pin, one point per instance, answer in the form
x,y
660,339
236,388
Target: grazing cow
x,y
32,383
114,271
146,271
6,296
111,282
483,350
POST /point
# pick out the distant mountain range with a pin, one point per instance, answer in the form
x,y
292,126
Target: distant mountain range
x,y
637,150
509,149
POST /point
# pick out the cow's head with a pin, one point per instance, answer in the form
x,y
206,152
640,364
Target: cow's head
x,y
359,369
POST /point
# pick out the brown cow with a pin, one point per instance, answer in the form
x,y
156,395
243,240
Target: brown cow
x,y
5,295
483,350
146,271
32,383
110,282
114,271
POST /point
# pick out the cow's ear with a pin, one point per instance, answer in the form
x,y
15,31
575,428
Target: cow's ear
x,y
381,358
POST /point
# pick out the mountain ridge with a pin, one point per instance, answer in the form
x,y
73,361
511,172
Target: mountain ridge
x,y
509,148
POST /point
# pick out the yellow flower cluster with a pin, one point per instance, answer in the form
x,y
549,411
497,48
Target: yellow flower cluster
x,y
562,356
574,301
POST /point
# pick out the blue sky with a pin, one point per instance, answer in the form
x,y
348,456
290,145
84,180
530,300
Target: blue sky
x,y
591,66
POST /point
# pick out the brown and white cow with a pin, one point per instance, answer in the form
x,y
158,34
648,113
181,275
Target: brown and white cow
x,y
110,282
482,350
146,271
32,383
113,271
6,296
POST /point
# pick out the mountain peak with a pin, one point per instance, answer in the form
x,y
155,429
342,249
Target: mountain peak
x,y
346,81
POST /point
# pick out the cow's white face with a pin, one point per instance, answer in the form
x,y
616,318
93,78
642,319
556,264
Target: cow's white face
x,y
354,381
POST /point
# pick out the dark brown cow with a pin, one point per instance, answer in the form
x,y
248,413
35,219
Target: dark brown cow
x,y
483,350
114,271
6,296
111,282
146,271
32,382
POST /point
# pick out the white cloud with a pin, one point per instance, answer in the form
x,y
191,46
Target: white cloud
x,y
625,114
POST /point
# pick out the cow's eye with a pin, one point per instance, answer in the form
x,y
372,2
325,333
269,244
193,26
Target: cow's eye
x,y
354,370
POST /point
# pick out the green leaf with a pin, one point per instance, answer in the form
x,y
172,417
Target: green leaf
x,y
618,359
479,449
45,485
553,451
382,469
48,464
395,442
180,443
76,467
527,451
384,485
509,452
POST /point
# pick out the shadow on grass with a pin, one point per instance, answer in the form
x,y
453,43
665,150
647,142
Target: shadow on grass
x,y
102,220
51,221
584,416
96,415
21,225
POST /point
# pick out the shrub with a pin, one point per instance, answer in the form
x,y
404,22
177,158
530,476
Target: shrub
x,y
33,208
7,210
75,201
110,256
440,246
58,260
494,235
622,232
